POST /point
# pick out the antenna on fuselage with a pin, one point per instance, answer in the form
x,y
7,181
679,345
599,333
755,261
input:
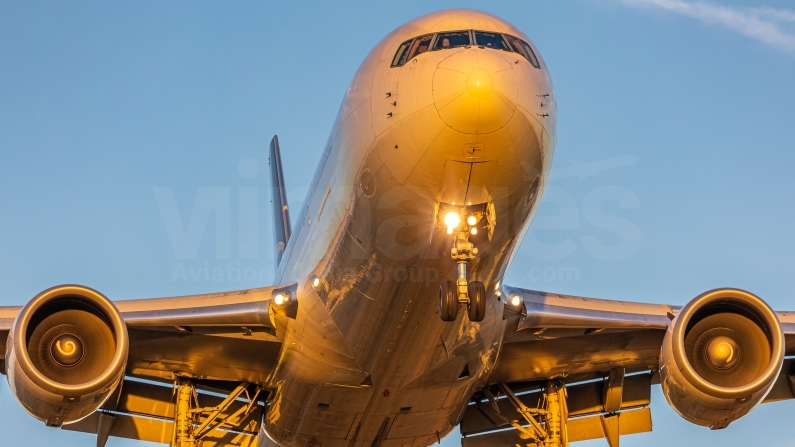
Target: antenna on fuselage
x,y
281,214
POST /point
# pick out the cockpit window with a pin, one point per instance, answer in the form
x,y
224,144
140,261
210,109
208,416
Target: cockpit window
x,y
412,48
451,40
420,45
490,40
401,56
523,48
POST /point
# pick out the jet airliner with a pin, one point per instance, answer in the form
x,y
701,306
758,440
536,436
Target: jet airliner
x,y
389,323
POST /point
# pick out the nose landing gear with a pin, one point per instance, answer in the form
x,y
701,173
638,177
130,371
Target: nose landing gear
x,y
462,291
473,293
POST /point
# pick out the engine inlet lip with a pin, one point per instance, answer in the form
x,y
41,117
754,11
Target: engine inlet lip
x,y
744,300
104,305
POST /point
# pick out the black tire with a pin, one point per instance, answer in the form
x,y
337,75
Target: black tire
x,y
477,301
448,301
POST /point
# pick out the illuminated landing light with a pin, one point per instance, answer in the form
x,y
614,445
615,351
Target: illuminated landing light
x,y
280,298
452,220
316,282
473,231
472,220
516,300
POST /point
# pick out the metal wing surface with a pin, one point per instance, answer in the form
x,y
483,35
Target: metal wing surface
x,y
223,336
551,335
7,315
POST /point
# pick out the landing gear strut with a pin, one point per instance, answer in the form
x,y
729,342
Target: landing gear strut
x,y
553,415
473,294
193,423
463,252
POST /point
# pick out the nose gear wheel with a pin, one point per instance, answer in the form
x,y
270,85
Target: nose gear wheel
x,y
477,301
448,301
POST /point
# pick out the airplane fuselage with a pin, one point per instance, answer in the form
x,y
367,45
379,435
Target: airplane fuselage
x,y
469,128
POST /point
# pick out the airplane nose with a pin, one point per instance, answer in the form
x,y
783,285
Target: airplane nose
x,y
479,83
475,90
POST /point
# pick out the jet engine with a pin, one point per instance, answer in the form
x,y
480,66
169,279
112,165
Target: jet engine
x,y
720,357
66,353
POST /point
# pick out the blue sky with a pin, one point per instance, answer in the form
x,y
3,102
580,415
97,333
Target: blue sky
x,y
690,103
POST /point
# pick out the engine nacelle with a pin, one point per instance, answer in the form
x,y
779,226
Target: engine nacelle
x,y
66,353
720,357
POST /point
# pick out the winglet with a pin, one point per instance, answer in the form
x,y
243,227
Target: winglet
x,y
281,215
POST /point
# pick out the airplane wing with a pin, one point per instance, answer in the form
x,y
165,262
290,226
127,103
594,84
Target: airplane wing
x,y
211,336
7,315
570,336
606,354
227,344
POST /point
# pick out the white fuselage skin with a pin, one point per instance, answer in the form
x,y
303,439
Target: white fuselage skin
x,y
368,361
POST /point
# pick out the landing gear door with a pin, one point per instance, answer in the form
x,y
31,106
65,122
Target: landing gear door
x,y
455,183
467,183
480,182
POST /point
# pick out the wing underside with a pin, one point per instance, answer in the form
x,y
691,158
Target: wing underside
x,y
212,336
145,410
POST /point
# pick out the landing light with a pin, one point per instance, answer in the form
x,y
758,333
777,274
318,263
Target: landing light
x,y
452,221
471,221
516,300
280,298
473,231
315,282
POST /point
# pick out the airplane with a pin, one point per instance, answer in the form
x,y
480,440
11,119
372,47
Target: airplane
x,y
389,323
